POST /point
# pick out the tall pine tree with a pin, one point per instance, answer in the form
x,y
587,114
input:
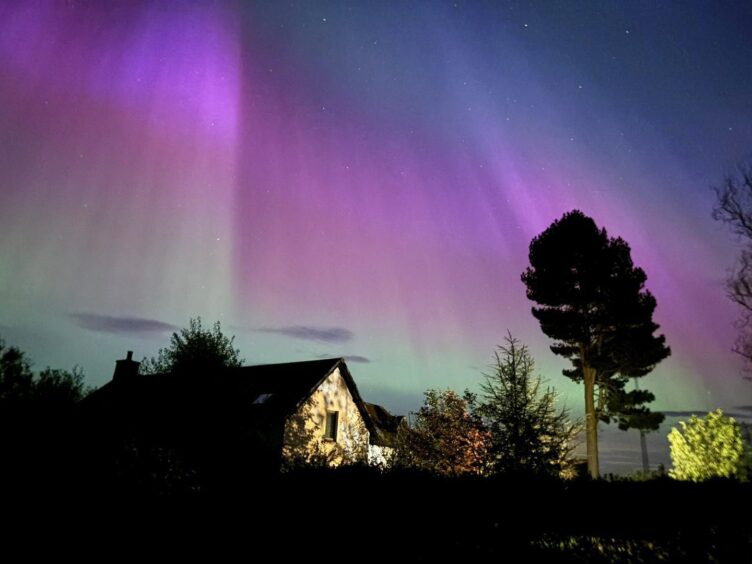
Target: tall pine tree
x,y
593,304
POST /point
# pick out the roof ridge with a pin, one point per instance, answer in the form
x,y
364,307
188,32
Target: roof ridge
x,y
318,360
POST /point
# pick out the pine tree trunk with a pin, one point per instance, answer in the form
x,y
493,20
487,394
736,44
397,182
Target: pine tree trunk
x,y
591,422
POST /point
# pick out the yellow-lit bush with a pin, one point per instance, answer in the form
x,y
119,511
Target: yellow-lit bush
x,y
707,447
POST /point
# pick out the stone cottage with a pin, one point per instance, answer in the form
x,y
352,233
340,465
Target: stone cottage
x,y
307,412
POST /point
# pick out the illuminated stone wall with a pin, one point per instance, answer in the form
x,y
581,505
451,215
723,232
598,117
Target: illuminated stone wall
x,y
304,432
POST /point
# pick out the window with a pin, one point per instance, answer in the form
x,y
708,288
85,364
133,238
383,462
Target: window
x,y
262,399
331,425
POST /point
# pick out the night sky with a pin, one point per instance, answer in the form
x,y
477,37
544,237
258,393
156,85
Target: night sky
x,y
363,179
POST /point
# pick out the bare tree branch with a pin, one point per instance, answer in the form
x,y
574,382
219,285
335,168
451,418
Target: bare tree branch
x,y
734,208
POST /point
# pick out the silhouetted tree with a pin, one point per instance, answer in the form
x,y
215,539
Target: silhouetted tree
x,y
746,429
193,442
734,208
38,430
195,350
49,390
594,305
707,447
527,431
446,438
16,378
57,387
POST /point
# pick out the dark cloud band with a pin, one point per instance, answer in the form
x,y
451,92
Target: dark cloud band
x,y
117,324
312,333
357,358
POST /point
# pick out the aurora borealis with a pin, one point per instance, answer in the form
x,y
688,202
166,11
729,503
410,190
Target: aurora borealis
x,y
363,179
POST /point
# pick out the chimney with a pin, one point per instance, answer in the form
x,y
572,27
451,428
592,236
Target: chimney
x,y
126,368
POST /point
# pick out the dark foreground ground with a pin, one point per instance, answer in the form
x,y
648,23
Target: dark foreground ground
x,y
357,514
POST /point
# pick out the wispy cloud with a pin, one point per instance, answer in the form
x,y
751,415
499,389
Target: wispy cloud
x,y
698,412
357,358
702,413
312,333
118,324
348,357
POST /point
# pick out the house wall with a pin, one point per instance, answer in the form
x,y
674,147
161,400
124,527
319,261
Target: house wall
x,y
304,439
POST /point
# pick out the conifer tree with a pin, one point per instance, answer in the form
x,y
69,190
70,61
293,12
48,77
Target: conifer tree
x,y
527,431
593,303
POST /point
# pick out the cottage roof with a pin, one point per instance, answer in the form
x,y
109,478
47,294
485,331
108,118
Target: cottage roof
x,y
267,391
386,424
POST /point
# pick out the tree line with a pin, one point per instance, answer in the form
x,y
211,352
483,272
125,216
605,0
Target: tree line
x,y
512,427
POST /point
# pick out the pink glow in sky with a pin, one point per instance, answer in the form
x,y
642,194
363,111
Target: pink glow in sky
x,y
366,168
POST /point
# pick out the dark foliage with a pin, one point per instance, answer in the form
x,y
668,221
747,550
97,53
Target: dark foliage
x,y
195,350
411,516
39,433
447,437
